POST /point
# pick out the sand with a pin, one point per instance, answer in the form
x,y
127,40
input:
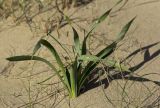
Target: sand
x,y
18,88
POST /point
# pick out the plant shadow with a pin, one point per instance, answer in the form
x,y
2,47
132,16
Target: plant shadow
x,y
94,83
154,104
83,2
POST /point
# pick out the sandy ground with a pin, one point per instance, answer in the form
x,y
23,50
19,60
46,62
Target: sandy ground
x,y
18,81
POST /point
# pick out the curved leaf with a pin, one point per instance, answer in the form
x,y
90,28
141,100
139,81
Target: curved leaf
x,y
124,30
105,53
56,56
89,58
116,65
36,48
96,23
76,42
60,45
53,51
27,57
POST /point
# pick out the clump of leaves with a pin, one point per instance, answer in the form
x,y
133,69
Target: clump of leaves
x,y
74,75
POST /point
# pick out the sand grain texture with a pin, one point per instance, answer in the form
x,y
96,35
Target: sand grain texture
x,y
17,40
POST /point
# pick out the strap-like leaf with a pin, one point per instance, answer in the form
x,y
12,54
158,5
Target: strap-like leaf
x,y
53,51
116,65
56,56
60,45
91,65
27,57
105,53
103,17
89,58
37,47
85,74
124,30
73,77
111,63
76,42
95,24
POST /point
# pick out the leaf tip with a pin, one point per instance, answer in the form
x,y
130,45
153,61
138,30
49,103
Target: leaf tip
x,y
9,58
133,19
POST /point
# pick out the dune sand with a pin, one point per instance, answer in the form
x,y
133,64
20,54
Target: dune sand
x,y
18,81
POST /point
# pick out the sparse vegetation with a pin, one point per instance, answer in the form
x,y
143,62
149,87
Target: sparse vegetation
x,y
19,8
75,74
69,59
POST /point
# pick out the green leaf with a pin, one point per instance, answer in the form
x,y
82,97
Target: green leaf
x,y
54,52
27,57
102,17
68,76
107,51
76,42
56,56
95,24
60,45
91,65
37,47
73,78
85,74
124,30
116,65
49,46
89,58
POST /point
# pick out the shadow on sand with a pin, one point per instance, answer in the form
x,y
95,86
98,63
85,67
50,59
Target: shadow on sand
x,y
93,83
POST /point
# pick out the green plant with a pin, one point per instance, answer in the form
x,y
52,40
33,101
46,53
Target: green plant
x,y
74,75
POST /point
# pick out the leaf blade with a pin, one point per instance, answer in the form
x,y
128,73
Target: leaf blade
x,y
76,41
89,58
96,23
58,59
28,57
124,30
53,51
60,45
